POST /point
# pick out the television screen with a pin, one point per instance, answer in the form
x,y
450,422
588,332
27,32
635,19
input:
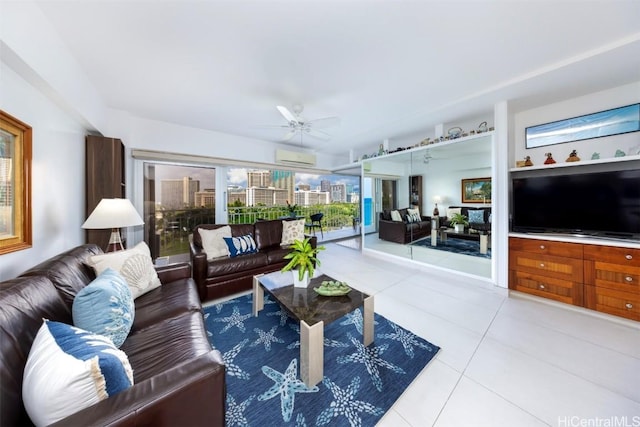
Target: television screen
x,y
600,204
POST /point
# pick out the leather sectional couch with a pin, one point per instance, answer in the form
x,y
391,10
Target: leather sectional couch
x,y
223,276
402,231
178,378
407,232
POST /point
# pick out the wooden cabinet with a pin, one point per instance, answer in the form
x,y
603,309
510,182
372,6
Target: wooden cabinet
x,y
602,278
105,178
612,280
548,269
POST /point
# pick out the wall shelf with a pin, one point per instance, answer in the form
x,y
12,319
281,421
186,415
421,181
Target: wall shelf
x,y
580,163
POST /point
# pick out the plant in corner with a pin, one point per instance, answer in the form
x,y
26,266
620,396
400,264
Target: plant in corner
x,y
303,258
459,222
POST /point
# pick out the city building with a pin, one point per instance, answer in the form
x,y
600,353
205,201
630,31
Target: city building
x,y
178,193
205,198
266,196
313,197
338,192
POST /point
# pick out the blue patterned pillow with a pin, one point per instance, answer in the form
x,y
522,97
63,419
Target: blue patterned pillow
x,y
476,216
105,306
69,369
241,245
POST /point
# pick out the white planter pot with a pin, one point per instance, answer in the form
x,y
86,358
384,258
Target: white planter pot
x,y
300,283
459,228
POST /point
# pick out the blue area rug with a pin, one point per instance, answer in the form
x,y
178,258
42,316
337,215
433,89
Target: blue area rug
x,y
455,245
262,358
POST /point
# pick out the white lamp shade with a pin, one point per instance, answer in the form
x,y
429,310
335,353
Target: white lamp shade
x,y
113,213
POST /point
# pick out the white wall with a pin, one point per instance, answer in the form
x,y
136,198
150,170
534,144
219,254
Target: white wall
x,y
57,175
592,103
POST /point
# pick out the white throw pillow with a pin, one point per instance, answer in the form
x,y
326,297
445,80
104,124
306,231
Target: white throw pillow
x,y
453,211
395,216
69,369
415,213
292,231
135,265
213,241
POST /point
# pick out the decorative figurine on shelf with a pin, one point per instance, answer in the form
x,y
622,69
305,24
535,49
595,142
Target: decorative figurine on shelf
x,y
573,157
619,153
549,160
595,156
527,161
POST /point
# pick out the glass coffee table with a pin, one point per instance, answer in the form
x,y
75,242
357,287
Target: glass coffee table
x,y
313,311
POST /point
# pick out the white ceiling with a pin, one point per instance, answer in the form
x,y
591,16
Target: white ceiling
x,y
387,69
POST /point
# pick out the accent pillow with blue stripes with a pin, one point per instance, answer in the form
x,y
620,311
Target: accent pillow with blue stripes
x,y
241,245
69,369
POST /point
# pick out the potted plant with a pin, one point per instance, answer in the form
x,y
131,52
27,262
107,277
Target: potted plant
x,y
291,209
302,261
459,222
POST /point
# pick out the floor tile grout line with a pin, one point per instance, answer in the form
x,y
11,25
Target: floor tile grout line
x,y
573,374
568,334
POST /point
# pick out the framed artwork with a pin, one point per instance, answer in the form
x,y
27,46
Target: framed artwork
x,y
15,184
476,190
604,123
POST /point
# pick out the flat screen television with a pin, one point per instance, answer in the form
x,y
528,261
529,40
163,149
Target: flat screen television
x,y
601,204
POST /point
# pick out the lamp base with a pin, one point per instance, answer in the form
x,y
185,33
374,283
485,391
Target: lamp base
x,y
115,242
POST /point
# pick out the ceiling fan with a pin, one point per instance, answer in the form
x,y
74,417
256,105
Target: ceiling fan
x,y
296,124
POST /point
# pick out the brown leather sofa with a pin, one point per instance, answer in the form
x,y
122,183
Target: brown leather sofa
x,y
178,378
223,276
402,231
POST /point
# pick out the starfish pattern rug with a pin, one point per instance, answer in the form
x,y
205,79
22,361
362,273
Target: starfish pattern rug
x,y
455,245
261,355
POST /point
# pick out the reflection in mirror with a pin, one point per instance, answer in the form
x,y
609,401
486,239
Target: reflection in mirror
x,y
420,224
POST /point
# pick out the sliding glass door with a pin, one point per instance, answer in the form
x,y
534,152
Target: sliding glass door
x,y
176,199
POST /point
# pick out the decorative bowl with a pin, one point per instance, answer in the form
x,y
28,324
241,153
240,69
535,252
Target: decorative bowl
x,y
332,288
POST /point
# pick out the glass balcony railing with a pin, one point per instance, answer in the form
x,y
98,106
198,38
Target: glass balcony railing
x,y
173,227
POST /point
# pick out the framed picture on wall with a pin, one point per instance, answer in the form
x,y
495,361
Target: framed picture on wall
x,y
604,123
476,190
15,184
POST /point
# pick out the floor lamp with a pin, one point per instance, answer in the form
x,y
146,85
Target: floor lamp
x,y
114,214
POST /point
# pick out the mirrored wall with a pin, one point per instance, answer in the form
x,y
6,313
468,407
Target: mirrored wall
x,y
415,195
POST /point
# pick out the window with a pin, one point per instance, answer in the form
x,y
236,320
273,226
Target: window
x,y
15,184
255,194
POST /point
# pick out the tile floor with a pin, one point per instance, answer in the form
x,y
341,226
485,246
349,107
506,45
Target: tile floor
x,y
505,360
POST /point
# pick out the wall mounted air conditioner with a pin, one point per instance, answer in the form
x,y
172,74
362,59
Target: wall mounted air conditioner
x,y
295,158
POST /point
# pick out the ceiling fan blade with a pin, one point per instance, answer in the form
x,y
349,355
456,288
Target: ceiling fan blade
x,y
270,127
314,133
286,114
325,122
289,136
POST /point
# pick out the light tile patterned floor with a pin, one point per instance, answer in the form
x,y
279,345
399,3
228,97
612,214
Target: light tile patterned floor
x,y
505,360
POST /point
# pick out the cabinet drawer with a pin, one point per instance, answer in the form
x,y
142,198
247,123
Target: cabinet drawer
x,y
547,265
615,276
617,303
546,247
547,287
612,254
